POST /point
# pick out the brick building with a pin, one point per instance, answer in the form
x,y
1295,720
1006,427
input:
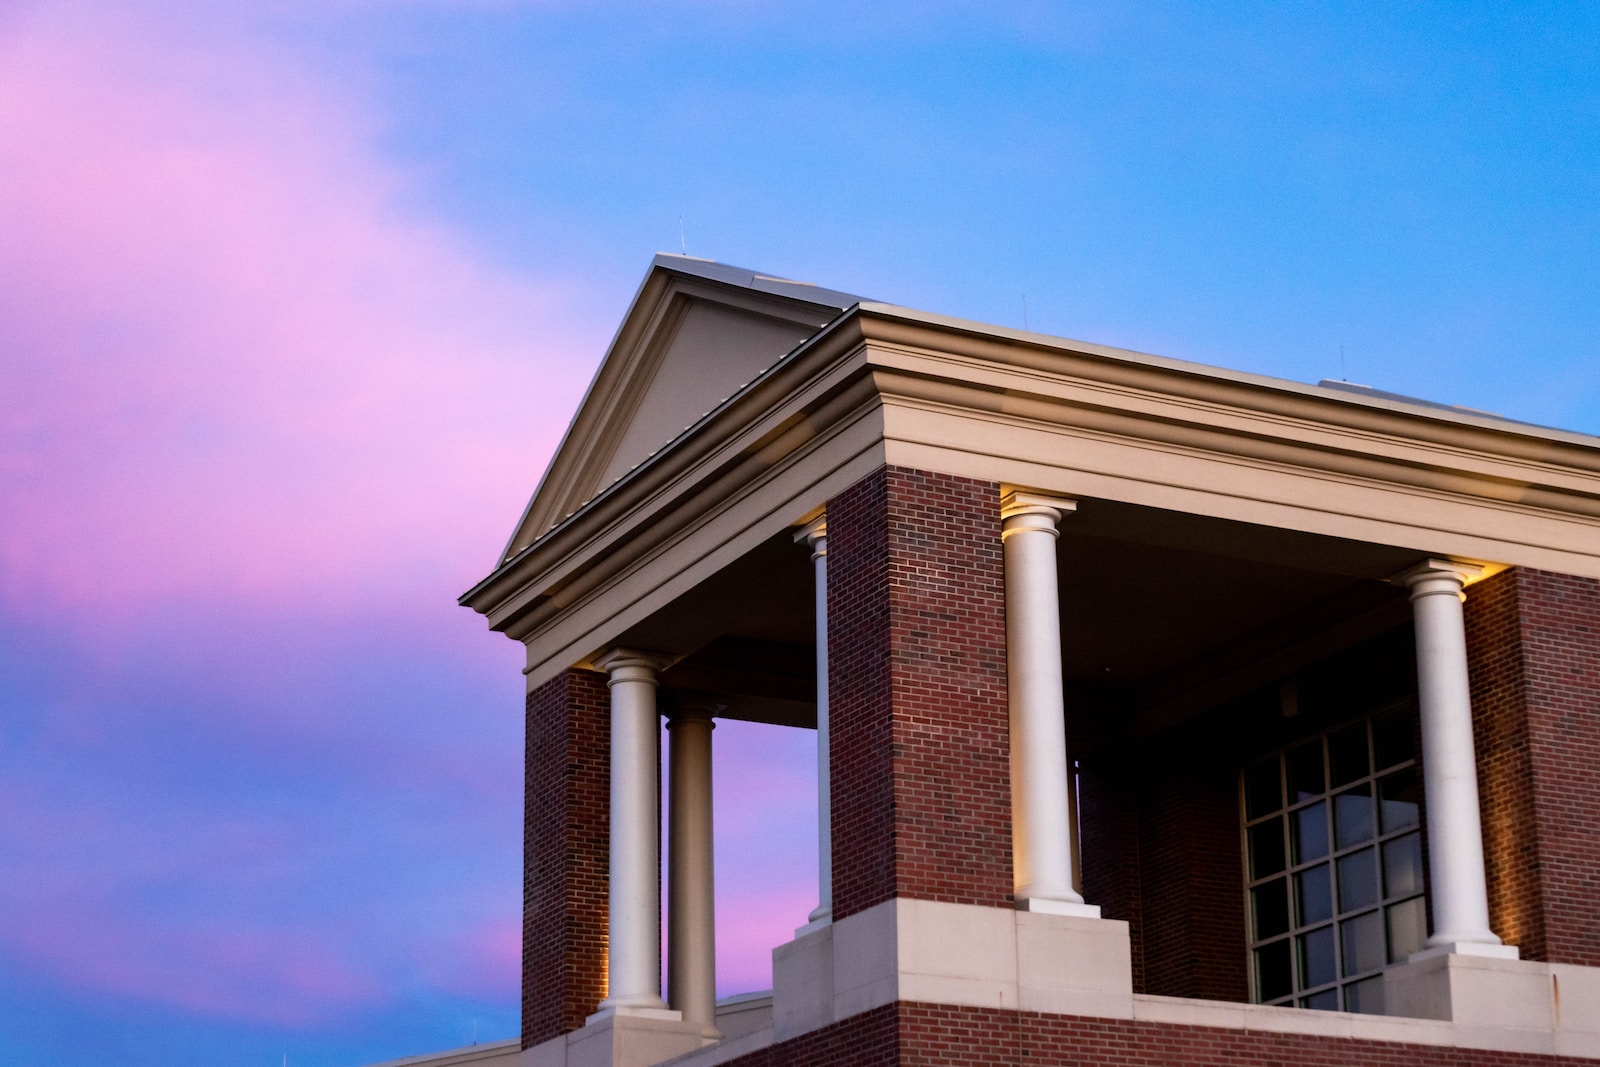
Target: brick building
x,y
1165,714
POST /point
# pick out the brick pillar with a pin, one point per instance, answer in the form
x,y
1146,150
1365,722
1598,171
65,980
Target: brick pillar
x,y
1109,811
565,854
917,691
1161,852
1193,937
1533,646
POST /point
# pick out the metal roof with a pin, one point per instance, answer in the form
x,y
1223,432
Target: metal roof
x,y
753,279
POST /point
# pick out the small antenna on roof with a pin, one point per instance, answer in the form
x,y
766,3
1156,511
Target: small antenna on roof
x,y
1342,378
1024,311
683,245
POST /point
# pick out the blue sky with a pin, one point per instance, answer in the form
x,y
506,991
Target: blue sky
x,y
295,300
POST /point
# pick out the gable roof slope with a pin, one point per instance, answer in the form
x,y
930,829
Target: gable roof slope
x,y
696,332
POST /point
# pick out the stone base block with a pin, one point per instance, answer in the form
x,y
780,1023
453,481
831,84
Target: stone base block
x,y
1471,989
802,984
612,1039
936,953
1495,1002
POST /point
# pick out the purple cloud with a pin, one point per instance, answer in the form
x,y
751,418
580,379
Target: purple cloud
x,y
262,423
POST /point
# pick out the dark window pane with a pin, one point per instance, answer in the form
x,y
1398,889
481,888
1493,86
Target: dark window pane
x,y
1402,866
1270,906
1347,755
1363,943
1398,798
1308,832
1358,880
1266,849
1327,1000
1353,820
1304,766
1365,996
1274,972
1408,928
1391,737
1313,896
1317,966
1263,789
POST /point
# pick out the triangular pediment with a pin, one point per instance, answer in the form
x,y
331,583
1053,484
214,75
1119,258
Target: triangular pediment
x,y
696,333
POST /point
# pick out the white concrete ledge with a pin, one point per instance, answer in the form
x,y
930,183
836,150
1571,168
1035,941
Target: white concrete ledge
x,y
489,1054
926,952
613,1039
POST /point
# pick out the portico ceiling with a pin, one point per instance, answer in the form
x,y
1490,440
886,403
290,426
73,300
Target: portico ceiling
x,y
1161,602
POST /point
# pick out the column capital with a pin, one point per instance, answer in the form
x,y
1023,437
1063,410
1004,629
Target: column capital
x,y
694,707
630,665
1023,509
814,532
1435,576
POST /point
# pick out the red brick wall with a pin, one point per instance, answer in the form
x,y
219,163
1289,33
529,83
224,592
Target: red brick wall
x,y
566,854
1533,643
1505,765
1109,814
1193,941
870,1039
917,688
931,1035
1161,852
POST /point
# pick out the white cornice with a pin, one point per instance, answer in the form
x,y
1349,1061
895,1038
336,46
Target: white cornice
x,y
1069,419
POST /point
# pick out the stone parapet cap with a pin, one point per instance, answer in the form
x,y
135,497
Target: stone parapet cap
x,y
640,1038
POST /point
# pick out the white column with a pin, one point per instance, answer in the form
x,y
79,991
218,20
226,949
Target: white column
x,y
1043,832
1449,765
634,964
815,534
691,892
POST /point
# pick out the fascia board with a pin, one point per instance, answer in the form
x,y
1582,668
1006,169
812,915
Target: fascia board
x,y
1252,424
566,455
1184,377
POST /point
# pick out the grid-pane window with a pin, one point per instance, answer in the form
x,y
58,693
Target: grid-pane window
x,y
1333,865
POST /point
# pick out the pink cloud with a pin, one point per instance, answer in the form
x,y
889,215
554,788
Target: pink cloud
x,y
237,368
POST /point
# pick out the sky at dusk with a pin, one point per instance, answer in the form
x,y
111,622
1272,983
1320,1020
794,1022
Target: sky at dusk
x,y
296,300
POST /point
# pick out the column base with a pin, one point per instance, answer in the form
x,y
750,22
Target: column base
x,y
637,1011
1485,949
1046,906
817,921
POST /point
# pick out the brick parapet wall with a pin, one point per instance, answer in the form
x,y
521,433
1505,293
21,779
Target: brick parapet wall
x,y
566,853
934,1035
917,687
1194,939
1533,645
1108,812
1161,852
